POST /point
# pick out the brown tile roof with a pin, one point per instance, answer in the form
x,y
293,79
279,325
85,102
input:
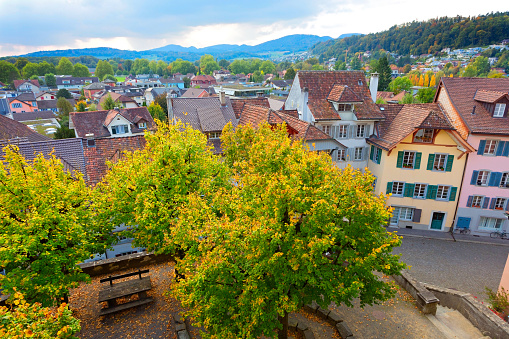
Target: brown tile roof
x,y
117,97
11,130
402,120
18,83
94,121
238,104
488,96
293,112
319,85
462,92
27,116
340,93
195,93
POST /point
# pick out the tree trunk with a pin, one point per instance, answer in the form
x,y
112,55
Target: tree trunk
x,y
283,333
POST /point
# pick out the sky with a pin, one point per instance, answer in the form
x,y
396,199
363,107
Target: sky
x,y
34,25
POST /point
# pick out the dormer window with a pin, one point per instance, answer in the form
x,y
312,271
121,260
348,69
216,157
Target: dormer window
x,y
424,135
344,107
142,125
214,135
499,111
119,129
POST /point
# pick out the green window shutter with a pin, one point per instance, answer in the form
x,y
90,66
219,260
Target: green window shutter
x,y
452,195
389,187
432,192
450,159
418,156
431,161
399,163
372,150
409,190
379,150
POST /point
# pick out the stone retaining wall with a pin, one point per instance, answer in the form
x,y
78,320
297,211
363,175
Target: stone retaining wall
x,y
426,301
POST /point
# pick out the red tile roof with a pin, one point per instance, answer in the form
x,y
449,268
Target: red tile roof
x,y
18,83
462,93
117,97
488,96
319,85
238,104
340,93
11,130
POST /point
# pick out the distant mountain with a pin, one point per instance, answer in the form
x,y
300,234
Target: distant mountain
x,y
289,44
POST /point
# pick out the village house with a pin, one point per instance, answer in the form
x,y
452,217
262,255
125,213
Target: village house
x,y
203,80
119,99
24,102
27,86
478,109
74,83
418,158
341,105
92,89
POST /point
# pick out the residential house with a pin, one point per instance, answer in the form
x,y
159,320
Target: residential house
x,y
74,83
390,97
38,115
195,93
208,115
119,99
239,103
27,86
394,71
151,93
12,131
51,105
221,74
109,82
93,88
24,102
170,82
478,109
418,157
340,104
314,138
203,81
245,91
45,96
283,85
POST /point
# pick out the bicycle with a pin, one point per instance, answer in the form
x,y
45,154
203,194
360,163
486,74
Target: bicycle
x,y
462,230
499,234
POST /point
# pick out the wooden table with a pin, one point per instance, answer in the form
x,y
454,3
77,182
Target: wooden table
x,y
125,289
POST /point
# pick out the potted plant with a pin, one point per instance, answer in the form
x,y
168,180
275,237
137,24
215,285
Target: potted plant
x,y
499,302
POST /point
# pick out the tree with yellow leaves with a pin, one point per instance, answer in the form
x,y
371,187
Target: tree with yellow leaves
x,y
421,81
426,80
432,82
290,228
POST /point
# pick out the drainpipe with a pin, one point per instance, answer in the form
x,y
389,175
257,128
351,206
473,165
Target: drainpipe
x,y
458,197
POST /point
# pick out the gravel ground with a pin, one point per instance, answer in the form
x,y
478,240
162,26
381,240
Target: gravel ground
x,y
468,267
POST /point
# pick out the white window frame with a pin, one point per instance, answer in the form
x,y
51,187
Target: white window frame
x,y
487,223
482,178
504,182
326,129
341,155
421,133
477,201
360,131
115,130
398,186
142,125
420,191
500,203
440,161
375,155
357,153
406,156
499,110
443,192
401,213
491,147
343,131
214,135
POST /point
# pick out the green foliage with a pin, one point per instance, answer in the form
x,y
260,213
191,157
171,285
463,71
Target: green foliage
x,y
110,77
268,67
340,66
108,103
46,68
64,107
64,67
24,320
400,84
380,101
290,228
423,37
157,112
140,66
50,79
408,99
103,68
64,132
161,101
182,67
355,63
8,72
223,63
245,66
499,300
426,95
20,63
30,70
208,64
187,82
407,68
64,93
257,76
290,74
80,71
317,67
385,72
81,106
46,227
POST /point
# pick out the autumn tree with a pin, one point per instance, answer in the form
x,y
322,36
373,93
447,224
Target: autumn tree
x,y
291,228
25,320
64,67
157,112
46,227
81,106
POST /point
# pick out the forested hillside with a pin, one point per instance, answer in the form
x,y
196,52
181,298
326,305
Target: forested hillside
x,y
424,37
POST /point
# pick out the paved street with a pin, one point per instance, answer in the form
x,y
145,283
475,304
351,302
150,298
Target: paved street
x,y
465,266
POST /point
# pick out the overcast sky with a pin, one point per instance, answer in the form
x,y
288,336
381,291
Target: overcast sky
x,y
32,25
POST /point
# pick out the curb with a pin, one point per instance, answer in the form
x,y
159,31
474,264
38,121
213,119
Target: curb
x,y
457,240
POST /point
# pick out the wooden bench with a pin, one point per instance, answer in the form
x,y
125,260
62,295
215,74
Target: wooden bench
x,y
125,289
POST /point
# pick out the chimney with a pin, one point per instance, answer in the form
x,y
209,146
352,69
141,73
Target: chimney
x,y
373,85
170,108
222,97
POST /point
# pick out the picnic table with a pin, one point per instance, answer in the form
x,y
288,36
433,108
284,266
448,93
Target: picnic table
x,y
111,292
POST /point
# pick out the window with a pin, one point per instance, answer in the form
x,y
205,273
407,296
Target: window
x,y
357,155
408,159
142,125
490,223
361,131
499,110
443,192
477,201
401,213
341,155
424,135
214,135
34,104
326,129
397,188
119,129
504,182
377,154
420,191
440,162
500,203
344,107
91,142
16,105
343,131
490,147
482,178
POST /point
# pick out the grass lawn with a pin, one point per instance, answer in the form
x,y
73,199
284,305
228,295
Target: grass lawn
x,y
121,79
39,128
